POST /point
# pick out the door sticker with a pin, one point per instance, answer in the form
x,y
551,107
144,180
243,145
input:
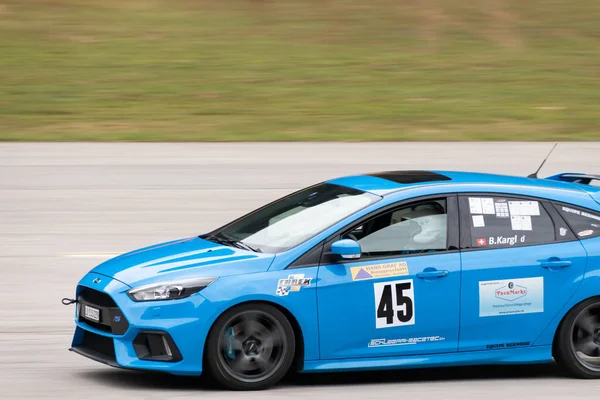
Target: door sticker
x,y
293,283
377,271
394,303
511,296
404,341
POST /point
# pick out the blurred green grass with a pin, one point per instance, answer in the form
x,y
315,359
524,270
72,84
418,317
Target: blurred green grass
x,y
187,70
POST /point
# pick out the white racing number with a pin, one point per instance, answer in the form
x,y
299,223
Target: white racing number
x,y
394,303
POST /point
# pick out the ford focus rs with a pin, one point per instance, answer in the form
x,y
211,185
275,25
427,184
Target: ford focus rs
x,y
380,271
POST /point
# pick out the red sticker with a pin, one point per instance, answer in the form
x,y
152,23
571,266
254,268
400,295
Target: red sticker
x,y
481,242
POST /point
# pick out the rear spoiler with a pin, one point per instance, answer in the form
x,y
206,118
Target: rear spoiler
x,y
575,177
585,179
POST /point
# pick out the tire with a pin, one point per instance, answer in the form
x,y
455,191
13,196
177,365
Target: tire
x,y
250,347
577,343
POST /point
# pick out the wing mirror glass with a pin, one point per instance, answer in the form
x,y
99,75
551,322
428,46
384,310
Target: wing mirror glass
x,y
346,249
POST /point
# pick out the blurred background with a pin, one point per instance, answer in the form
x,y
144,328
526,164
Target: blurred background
x,y
187,70
415,74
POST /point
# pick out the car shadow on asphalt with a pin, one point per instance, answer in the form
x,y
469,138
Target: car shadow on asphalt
x,y
146,380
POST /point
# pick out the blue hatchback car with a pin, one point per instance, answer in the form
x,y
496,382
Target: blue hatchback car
x,y
380,271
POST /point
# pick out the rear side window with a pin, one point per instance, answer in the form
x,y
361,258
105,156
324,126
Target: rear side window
x,y
585,223
502,222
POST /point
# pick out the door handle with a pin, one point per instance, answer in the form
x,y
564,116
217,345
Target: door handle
x,y
555,263
432,273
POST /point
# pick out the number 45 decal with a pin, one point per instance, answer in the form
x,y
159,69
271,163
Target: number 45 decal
x,y
394,303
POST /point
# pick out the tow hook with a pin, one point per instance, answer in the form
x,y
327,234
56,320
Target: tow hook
x,y
67,302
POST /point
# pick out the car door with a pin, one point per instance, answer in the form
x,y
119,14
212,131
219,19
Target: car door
x,y
402,296
520,265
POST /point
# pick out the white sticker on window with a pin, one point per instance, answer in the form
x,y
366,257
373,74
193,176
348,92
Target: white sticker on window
x,y
526,223
478,221
513,206
394,303
527,208
534,208
502,210
586,233
487,206
521,223
475,205
511,296
515,223
523,209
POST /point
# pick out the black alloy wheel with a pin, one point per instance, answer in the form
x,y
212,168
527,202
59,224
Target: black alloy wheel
x,y
577,346
250,347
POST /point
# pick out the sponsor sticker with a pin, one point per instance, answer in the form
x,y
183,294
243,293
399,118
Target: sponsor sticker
x,y
511,296
586,233
582,213
506,345
293,283
404,341
376,271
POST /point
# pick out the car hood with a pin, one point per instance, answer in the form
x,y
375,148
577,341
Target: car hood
x,y
182,259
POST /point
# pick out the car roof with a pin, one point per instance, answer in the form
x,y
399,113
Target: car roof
x,y
389,182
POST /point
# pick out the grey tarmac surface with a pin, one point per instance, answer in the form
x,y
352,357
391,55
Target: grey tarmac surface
x,y
66,207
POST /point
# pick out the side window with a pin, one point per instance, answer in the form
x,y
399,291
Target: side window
x,y
585,223
416,228
500,222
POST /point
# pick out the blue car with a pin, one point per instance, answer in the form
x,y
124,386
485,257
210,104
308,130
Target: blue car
x,y
380,271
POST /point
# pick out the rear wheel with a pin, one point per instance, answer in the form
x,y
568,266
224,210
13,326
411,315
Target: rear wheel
x,y
578,341
250,347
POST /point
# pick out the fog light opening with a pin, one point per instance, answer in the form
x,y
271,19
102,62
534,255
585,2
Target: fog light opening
x,y
156,346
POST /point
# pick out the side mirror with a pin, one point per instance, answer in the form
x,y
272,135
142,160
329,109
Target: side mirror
x,y
346,249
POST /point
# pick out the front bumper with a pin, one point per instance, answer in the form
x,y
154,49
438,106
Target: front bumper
x,y
164,336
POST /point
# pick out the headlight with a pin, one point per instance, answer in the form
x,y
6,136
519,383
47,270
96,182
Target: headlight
x,y
169,290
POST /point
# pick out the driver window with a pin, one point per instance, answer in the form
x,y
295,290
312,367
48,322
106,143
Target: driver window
x,y
416,228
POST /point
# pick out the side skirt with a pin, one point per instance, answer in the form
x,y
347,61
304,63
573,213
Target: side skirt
x,y
522,355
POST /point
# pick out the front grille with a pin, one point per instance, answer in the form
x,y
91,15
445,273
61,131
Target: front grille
x,y
95,297
99,346
111,318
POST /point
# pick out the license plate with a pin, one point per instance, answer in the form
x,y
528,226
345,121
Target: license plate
x,y
91,313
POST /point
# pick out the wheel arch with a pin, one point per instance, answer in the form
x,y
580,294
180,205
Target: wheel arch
x,y
564,317
298,361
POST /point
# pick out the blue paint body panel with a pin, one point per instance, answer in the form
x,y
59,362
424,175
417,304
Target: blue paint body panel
x,y
337,313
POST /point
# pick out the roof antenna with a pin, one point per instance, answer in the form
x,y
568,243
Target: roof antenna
x,y
535,174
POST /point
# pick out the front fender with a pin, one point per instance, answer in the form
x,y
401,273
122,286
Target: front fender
x,y
300,301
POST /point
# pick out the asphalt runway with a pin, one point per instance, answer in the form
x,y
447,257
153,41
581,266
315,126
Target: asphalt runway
x,y
67,207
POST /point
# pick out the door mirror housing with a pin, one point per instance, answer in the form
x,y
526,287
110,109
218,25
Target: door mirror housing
x,y
346,249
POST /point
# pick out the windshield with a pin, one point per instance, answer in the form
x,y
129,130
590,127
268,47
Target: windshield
x,y
291,220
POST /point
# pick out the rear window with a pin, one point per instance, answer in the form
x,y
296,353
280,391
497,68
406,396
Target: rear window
x,y
585,223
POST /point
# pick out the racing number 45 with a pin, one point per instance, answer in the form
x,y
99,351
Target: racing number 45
x,y
394,303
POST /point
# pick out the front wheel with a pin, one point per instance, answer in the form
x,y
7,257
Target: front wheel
x,y
577,347
250,347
